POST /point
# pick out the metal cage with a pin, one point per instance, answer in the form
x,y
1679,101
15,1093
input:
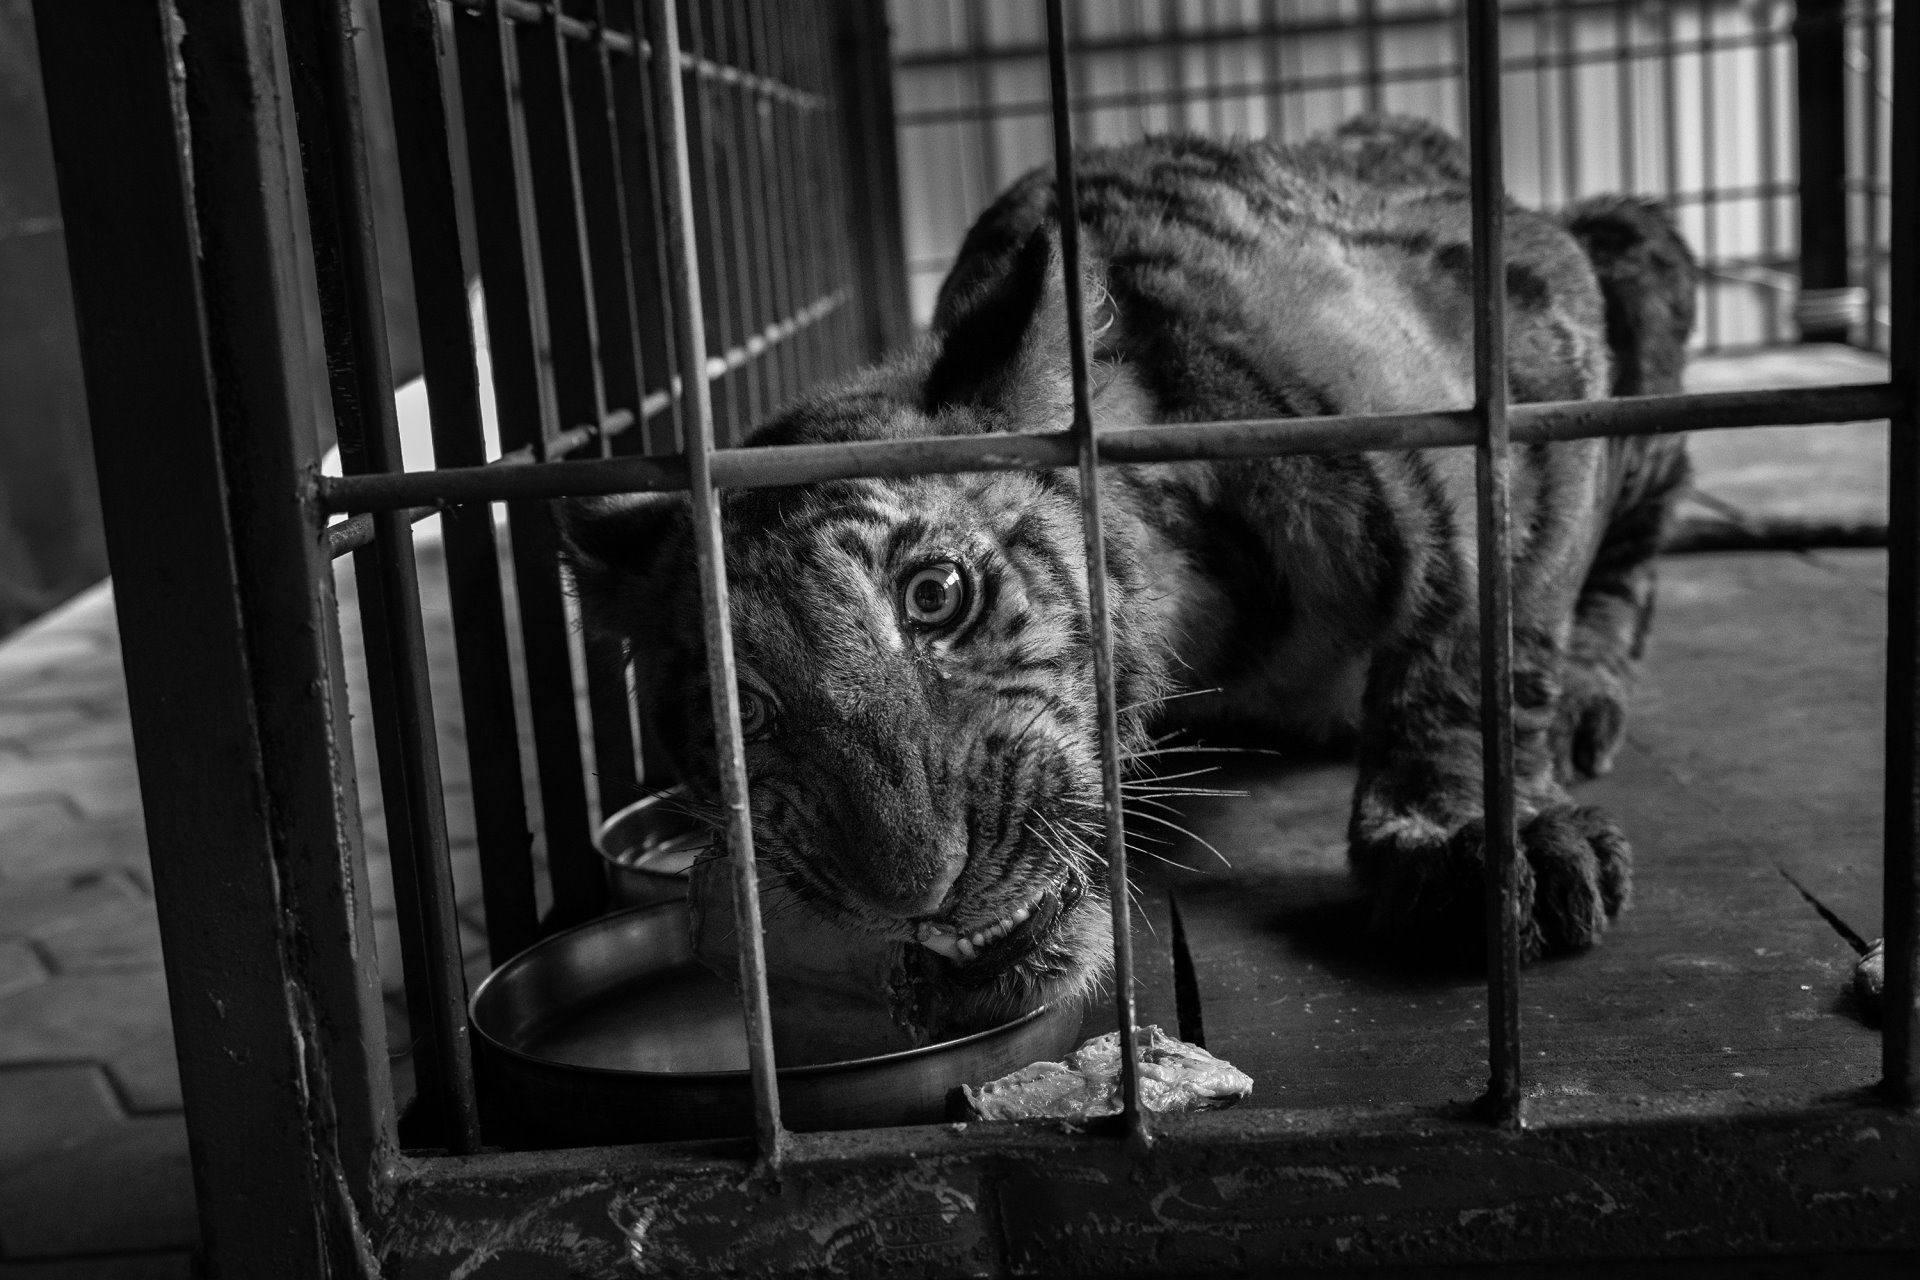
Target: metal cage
x,y
190,138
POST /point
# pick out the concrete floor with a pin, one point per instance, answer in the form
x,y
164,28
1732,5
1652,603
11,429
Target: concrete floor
x,y
94,1179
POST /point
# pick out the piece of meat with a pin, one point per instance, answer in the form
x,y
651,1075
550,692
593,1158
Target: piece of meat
x,y
1174,1076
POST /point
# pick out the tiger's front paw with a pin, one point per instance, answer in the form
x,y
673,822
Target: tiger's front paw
x,y
1428,886
1590,722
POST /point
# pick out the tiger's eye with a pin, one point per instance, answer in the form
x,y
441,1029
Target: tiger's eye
x,y
935,595
755,714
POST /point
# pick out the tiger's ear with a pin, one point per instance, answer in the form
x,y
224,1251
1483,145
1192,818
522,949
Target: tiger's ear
x,y
1005,346
616,548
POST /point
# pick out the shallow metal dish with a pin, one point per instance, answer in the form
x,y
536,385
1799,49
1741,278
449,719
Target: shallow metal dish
x,y
613,1032
648,848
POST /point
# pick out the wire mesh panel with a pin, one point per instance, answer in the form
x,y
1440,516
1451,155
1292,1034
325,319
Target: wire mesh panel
x,y
1692,102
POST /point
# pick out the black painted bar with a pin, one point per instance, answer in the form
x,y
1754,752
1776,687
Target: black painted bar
x,y
353,321
1900,1029
683,263
1493,465
440,273
193,352
1132,1118
1820,40
768,467
510,267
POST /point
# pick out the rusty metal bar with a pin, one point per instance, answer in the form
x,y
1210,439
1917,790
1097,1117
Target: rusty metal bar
x,y
326,99
634,134
1900,1029
1820,61
511,271
412,39
683,261
1087,446
768,466
193,348
535,12
1493,465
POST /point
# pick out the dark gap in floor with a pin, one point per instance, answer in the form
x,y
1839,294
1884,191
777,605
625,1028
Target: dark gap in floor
x,y
1186,987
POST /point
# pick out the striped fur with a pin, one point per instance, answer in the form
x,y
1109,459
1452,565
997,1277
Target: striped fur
x,y
916,780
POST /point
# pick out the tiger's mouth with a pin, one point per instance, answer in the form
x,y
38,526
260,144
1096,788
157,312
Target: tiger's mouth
x,y
998,945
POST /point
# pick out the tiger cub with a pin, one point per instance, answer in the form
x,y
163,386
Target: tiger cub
x,y
914,653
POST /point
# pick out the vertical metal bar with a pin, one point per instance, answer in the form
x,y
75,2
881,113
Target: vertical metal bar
x,y
683,258
709,227
1870,148
1819,34
1625,74
739,263
195,364
1370,52
778,379
864,94
1765,52
1492,468
574,196
1569,106
1710,172
1132,1116
346,263
989,147
412,34
635,133
775,161
1900,1027
510,270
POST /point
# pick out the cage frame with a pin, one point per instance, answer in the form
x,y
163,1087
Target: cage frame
x,y
174,133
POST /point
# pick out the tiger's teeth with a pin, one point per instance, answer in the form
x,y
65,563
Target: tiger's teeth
x,y
944,944
965,946
1022,915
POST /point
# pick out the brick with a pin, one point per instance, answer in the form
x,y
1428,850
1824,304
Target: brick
x,y
22,728
148,1075
100,686
19,967
172,1265
89,735
44,1110
113,937
29,904
90,1016
57,1208
55,840
98,787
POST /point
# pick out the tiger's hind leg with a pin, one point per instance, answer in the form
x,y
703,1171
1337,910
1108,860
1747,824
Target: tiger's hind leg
x,y
1647,278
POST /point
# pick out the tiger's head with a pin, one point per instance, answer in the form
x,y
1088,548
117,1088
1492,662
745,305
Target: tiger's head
x,y
914,666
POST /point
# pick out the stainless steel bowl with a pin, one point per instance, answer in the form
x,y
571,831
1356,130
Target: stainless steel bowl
x,y
612,1032
649,848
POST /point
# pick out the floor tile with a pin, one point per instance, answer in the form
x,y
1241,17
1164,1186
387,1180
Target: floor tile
x,y
147,1074
57,1208
44,1110
53,839
114,936
29,904
20,967
172,1265
85,1016
97,786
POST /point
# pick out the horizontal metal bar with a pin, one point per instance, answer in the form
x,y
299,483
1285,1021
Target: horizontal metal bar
x,y
356,532
1443,14
772,466
1296,85
775,334
571,28
621,42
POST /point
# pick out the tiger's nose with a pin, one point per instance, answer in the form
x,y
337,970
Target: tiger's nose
x,y
916,876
